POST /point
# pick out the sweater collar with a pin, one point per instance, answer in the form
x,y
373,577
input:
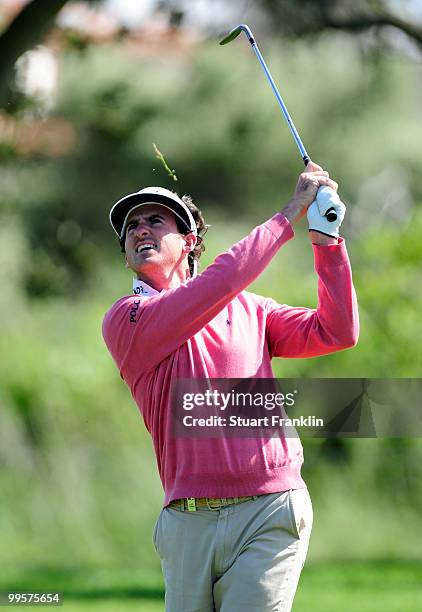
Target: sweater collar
x,y
143,289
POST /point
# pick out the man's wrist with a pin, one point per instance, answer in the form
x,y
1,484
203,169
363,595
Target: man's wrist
x,y
318,238
292,210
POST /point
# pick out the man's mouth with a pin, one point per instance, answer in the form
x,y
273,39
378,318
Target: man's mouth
x,y
145,246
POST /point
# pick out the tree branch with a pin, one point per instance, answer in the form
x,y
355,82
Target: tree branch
x,y
315,16
364,22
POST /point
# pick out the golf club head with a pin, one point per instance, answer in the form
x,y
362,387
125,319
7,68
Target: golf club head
x,y
231,35
235,33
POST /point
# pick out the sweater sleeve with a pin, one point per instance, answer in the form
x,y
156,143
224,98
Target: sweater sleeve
x,y
332,326
141,332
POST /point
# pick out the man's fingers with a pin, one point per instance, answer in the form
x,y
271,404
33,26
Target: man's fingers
x,y
325,180
314,177
312,167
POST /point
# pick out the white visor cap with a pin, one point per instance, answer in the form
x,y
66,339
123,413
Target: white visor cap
x,y
150,195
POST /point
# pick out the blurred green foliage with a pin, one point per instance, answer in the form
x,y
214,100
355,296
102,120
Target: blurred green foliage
x,y
216,120
78,471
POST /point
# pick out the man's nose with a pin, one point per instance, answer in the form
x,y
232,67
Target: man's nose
x,y
142,229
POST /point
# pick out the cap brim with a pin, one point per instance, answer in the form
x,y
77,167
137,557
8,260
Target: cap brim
x,y
122,209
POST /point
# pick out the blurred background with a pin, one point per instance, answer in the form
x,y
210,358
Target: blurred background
x,y
85,89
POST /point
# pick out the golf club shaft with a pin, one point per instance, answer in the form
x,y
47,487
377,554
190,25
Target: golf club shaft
x,y
330,213
286,114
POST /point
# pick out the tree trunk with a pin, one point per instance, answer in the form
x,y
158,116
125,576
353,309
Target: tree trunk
x,y
25,32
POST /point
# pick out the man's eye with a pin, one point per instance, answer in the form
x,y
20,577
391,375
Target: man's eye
x,y
131,226
156,220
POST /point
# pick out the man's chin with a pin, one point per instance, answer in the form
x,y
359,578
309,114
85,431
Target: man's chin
x,y
144,265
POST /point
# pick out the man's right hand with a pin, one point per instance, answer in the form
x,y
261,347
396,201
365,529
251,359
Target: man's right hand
x,y
306,189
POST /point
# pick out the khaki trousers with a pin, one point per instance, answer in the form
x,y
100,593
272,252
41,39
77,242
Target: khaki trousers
x,y
242,558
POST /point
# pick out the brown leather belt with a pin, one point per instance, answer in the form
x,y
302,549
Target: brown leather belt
x,y
191,504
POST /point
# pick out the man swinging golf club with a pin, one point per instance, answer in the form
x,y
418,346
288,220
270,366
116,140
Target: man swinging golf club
x,y
234,529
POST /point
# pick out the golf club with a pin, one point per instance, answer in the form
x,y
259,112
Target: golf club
x,y
330,214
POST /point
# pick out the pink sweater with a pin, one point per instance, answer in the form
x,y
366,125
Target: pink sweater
x,y
183,333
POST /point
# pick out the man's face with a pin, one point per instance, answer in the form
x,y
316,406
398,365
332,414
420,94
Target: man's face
x,y
153,243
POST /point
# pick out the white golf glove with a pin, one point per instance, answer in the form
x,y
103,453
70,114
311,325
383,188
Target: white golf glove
x,y
326,199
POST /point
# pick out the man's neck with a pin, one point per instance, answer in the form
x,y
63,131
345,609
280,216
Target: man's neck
x,y
163,282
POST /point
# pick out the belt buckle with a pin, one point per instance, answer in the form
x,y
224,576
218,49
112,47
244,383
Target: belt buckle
x,y
191,504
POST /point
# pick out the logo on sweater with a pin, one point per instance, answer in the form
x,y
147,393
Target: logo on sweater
x,y
139,289
143,289
133,311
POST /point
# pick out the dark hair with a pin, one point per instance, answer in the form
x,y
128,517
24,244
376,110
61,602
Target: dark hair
x,y
201,226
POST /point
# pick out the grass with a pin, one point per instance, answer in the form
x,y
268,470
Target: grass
x,y
349,586
391,586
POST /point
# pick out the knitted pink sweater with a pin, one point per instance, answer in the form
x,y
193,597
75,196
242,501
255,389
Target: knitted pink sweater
x,y
210,327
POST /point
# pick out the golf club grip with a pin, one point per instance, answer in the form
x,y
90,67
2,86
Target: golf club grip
x,y
331,214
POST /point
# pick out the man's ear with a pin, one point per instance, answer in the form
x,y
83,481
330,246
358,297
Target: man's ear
x,y
126,261
190,242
